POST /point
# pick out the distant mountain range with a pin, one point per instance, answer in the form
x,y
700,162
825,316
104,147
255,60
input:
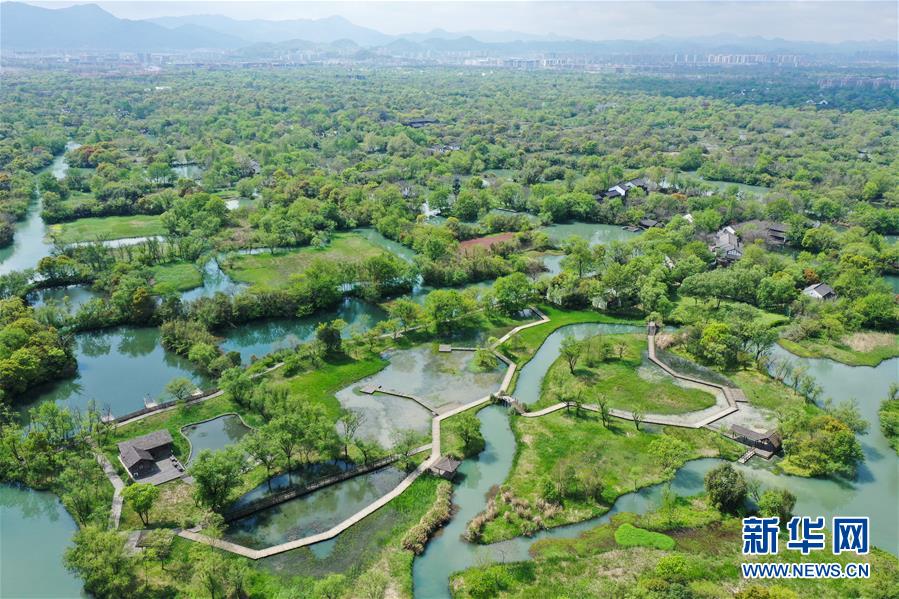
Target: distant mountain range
x,y
89,27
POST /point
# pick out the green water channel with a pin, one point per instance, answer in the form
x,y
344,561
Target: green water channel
x,y
29,244
35,530
530,377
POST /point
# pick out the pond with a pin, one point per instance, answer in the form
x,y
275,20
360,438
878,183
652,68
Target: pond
x,y
118,368
441,380
595,233
74,296
530,377
262,337
29,244
875,492
215,434
722,185
214,281
36,530
313,513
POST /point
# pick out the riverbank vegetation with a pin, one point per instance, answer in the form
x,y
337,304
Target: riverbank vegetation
x,y
700,558
889,416
569,468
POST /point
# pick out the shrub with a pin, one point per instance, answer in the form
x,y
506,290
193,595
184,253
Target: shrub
x,y
440,513
628,535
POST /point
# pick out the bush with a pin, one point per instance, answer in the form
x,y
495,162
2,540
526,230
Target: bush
x,y
628,535
417,537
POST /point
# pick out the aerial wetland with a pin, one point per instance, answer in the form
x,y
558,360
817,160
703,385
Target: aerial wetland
x,y
343,333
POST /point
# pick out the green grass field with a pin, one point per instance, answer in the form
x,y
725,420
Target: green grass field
x,y
274,270
176,276
618,381
108,227
621,456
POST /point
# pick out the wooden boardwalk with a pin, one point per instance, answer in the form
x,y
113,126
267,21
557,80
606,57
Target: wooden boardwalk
x,y
730,394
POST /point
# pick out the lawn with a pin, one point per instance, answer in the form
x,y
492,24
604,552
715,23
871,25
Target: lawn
x,y
108,227
176,276
320,385
623,458
865,348
275,269
622,384
522,347
691,310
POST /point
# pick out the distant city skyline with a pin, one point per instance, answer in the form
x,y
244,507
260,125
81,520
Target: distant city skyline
x,y
821,21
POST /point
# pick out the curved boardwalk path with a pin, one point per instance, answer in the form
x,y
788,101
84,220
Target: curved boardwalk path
x,y
690,420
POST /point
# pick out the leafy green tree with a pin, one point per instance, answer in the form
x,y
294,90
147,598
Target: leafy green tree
x,y
726,488
141,497
777,502
180,388
468,427
98,557
407,312
237,384
216,476
571,349
512,293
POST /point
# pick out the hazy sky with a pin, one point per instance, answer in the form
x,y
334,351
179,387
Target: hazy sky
x,y
804,20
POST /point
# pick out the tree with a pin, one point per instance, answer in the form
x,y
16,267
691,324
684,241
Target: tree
x,y
726,488
180,388
330,587
407,312
98,557
670,452
446,306
82,489
261,447
637,416
216,475
328,334
141,497
603,404
349,421
158,541
237,384
571,349
777,502
512,293
578,255
468,427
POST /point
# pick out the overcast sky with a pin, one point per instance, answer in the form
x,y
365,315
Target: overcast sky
x,y
830,21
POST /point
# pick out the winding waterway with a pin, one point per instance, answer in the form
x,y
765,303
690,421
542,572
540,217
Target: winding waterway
x,y
30,244
874,493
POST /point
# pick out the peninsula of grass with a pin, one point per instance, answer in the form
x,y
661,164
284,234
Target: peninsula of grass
x,y
106,228
628,535
622,458
864,348
274,269
629,382
522,347
176,276
320,385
